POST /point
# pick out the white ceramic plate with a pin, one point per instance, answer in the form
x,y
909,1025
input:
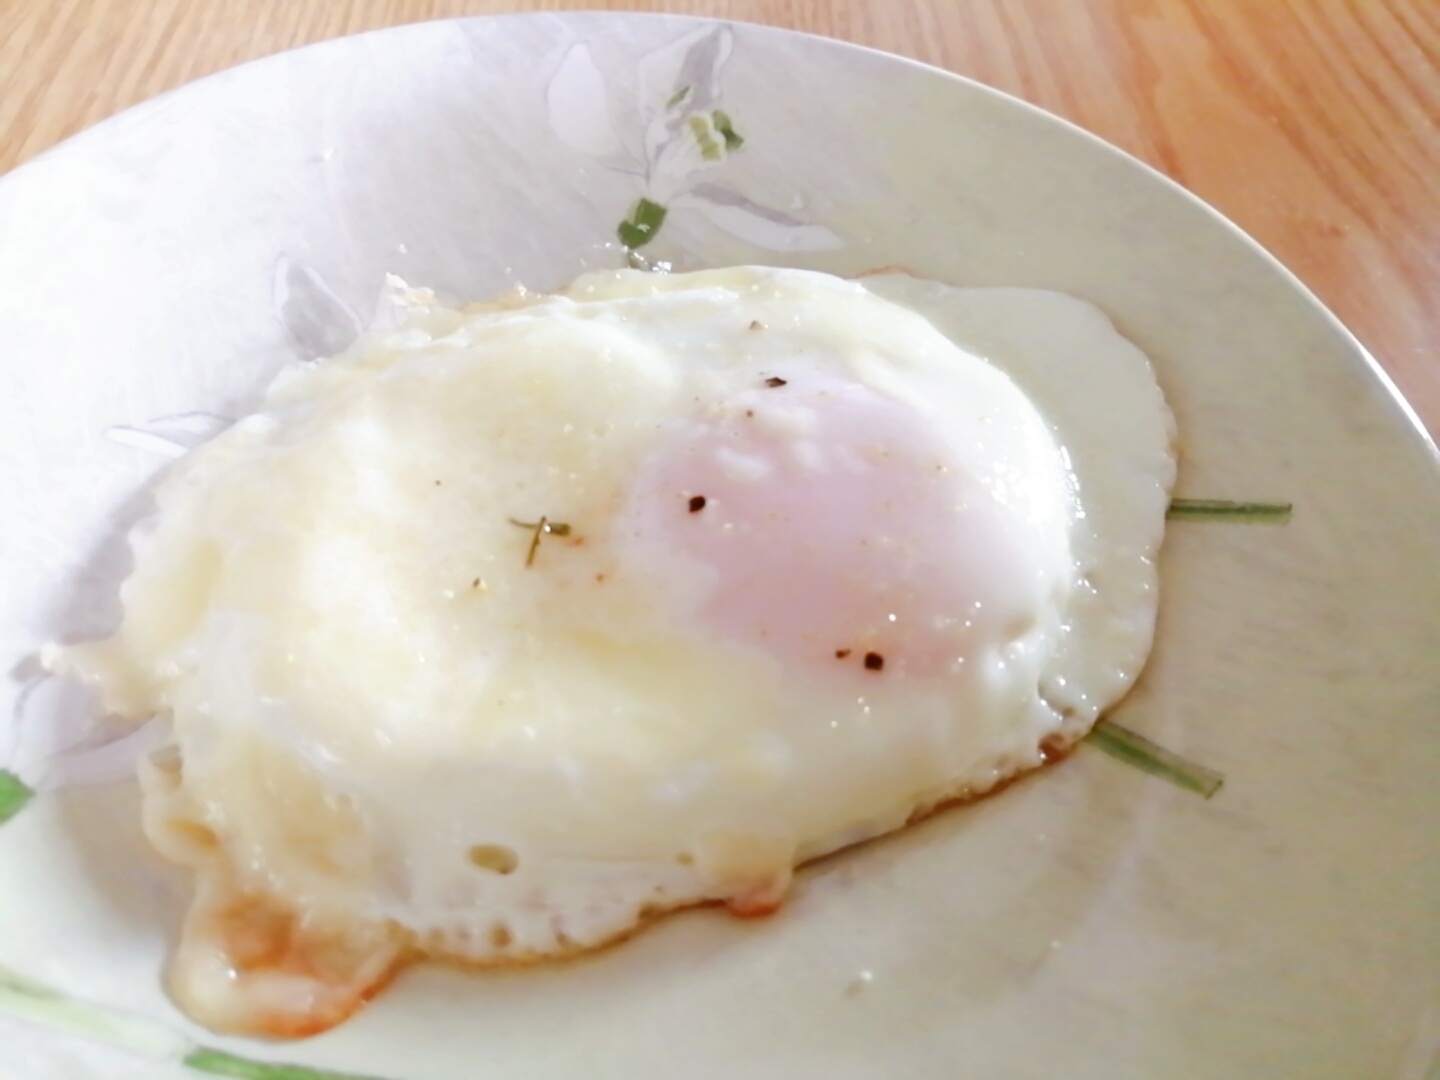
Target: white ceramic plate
x,y
1091,922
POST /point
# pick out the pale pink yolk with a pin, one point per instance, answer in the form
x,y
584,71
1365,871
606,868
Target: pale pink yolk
x,y
842,529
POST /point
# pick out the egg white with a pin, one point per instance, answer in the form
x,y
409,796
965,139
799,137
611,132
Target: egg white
x,y
407,719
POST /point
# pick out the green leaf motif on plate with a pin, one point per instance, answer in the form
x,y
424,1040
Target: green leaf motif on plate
x,y
14,794
733,139
1137,751
45,1007
643,223
25,999
704,131
1265,513
219,1063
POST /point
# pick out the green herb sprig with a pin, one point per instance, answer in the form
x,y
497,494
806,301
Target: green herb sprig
x,y
543,527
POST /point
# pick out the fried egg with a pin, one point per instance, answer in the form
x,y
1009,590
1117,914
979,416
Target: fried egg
x,y
518,624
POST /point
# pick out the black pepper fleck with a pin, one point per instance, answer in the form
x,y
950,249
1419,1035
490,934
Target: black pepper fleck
x,y
773,381
697,503
874,661
757,325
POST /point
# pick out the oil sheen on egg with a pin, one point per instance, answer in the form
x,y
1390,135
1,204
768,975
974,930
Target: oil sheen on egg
x,y
518,624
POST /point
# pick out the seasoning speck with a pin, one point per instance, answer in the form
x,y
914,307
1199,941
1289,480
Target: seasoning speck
x,y
697,503
757,325
541,527
874,661
437,483
840,654
773,381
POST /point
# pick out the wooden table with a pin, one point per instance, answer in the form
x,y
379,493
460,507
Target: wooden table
x,y
1314,124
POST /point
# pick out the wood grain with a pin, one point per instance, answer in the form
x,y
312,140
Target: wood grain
x,y
1314,124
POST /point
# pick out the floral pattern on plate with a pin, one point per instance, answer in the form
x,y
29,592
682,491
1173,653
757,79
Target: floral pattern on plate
x,y
677,135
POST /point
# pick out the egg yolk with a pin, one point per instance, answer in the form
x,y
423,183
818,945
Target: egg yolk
x,y
840,525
